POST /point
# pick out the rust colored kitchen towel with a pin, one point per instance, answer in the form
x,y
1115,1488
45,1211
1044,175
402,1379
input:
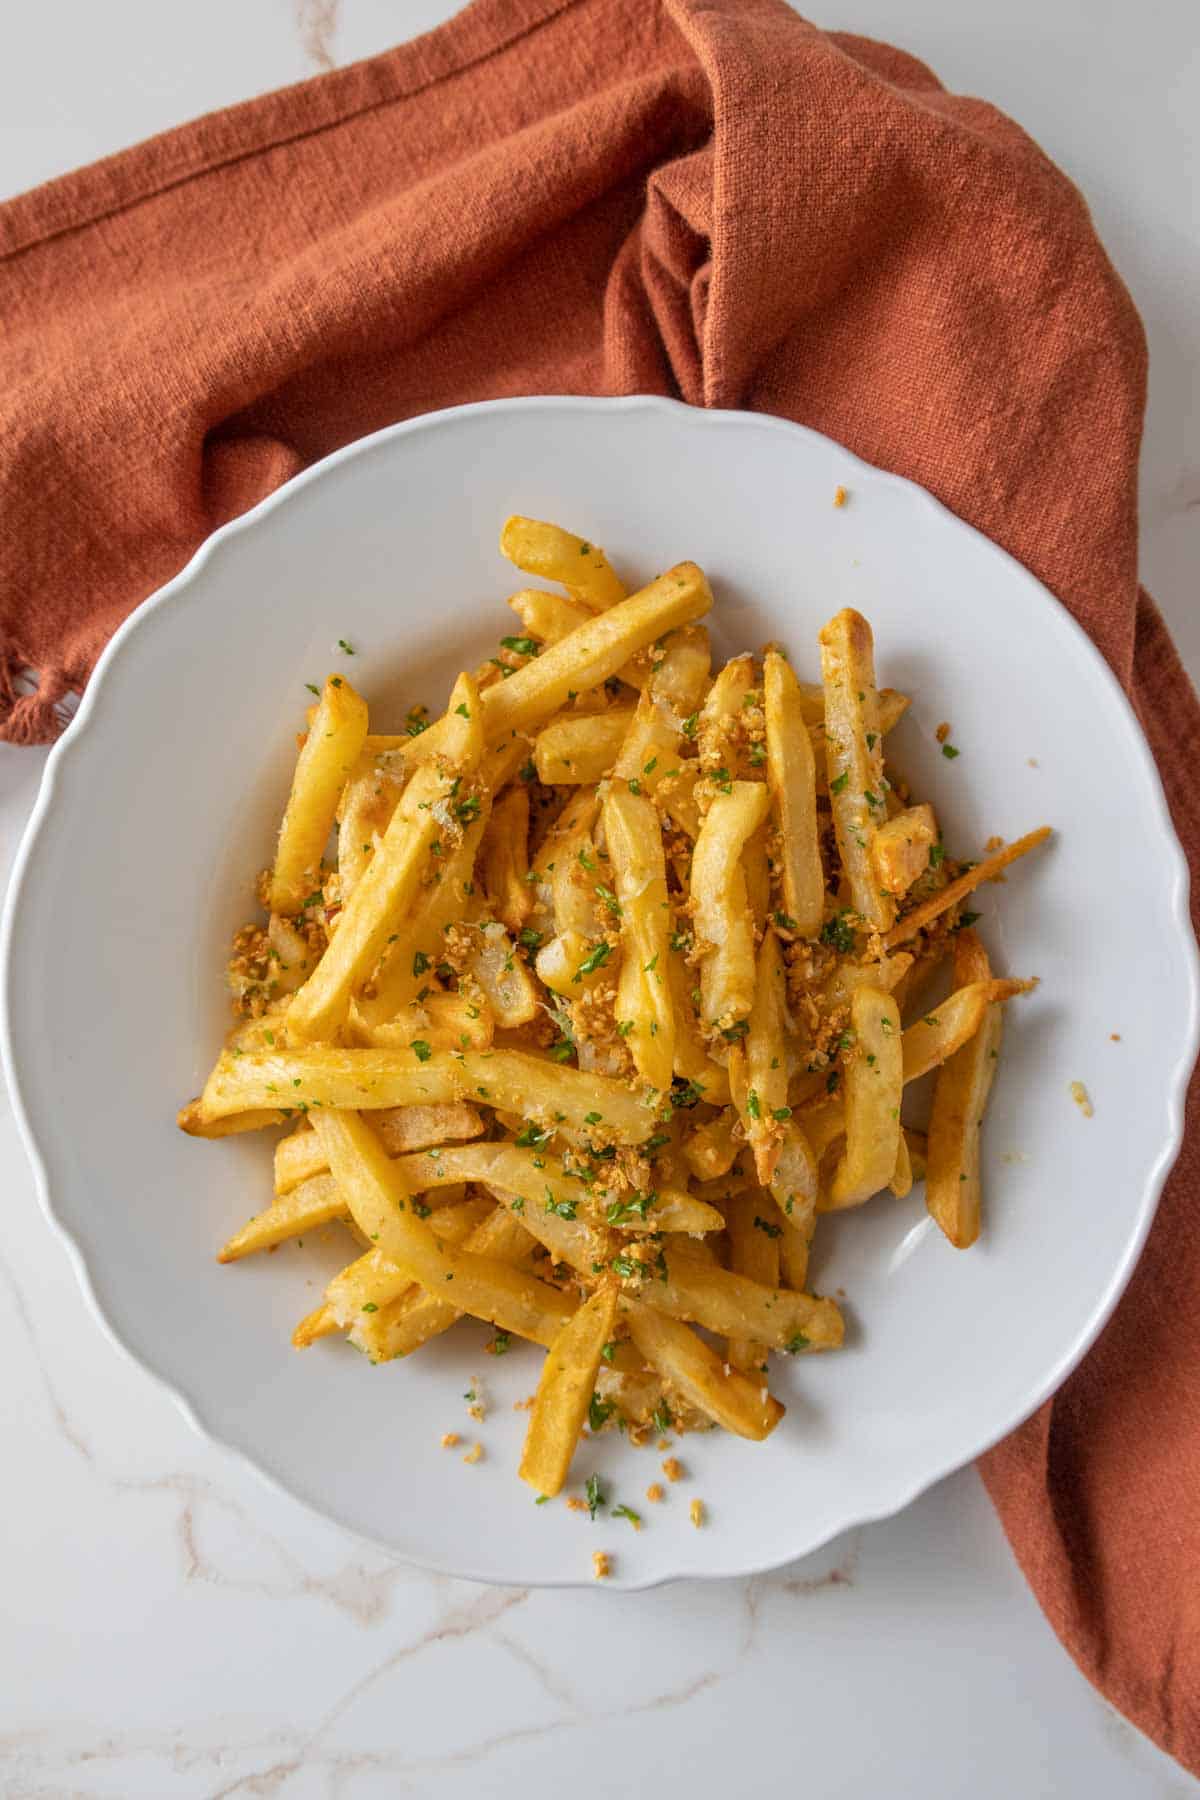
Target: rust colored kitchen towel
x,y
705,198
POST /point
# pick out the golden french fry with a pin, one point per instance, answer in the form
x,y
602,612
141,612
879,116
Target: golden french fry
x,y
369,799
331,750
548,617
692,1061
918,1150
954,891
902,1174
730,1305
754,1253
557,555
195,1120
929,1041
567,1384
648,750
758,1074
873,1082
317,1324
378,1198
680,674
679,801
794,1181
428,821
854,753
580,747
723,705
305,1207
720,907
406,1129
594,651
960,1097
791,776
797,1219
901,849
710,1149
506,858
503,977
511,1080
640,877
571,963
415,1317
683,1359
444,1021
414,946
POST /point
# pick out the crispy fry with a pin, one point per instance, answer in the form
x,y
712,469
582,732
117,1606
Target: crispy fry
x,y
720,907
429,812
929,1041
692,1061
567,1383
503,977
415,1317
791,776
401,1131
960,1097
580,747
758,1076
988,870
729,1304
547,617
557,555
305,1207
854,752
506,858
754,1253
326,762
873,1081
640,877
901,850
683,1359
709,1150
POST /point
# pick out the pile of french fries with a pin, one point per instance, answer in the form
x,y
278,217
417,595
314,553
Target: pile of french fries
x,y
614,986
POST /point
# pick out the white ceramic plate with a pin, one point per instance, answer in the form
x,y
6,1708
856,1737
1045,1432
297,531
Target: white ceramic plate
x,y
161,803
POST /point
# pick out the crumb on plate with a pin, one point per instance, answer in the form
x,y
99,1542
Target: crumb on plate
x,y
673,1469
943,731
1079,1095
449,1439
1114,1037
840,496
601,1565
654,1492
575,1504
994,843
696,1512
474,1454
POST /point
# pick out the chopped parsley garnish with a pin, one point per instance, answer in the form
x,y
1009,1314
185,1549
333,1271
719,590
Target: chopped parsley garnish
x,y
832,1081
838,785
531,939
463,710
422,1211
838,934
370,1306
421,1050
624,1027
662,1418
781,1114
565,1209
937,855
765,1225
967,918
532,1137
609,1350
680,940
687,1093
595,1495
420,963
599,1413
627,1512
467,810
637,1207
528,771
949,752
595,959
733,1032
626,1267
312,689
520,646
345,648
501,1343
559,1052
799,1342
609,898
785,921
656,1142
689,725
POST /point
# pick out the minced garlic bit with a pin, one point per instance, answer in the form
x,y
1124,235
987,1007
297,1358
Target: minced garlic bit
x,y
994,843
449,1439
575,1504
942,732
601,1565
1114,1037
673,1469
654,1492
474,1454
1079,1095
696,1513
839,496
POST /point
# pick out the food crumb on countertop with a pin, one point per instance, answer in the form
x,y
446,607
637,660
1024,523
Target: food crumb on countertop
x,y
474,1454
1079,1095
696,1512
654,1492
673,1469
601,1565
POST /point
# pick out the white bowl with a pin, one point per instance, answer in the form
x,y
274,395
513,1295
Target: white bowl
x,y
161,803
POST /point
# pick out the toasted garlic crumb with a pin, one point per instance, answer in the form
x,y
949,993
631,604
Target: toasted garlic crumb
x,y
524,1405
449,1439
654,1492
575,1504
696,1512
942,732
673,1469
1079,1095
474,1454
994,843
664,1443
839,496
1115,1037
475,1411
1033,762
601,1565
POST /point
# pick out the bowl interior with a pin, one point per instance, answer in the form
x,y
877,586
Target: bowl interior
x,y
164,803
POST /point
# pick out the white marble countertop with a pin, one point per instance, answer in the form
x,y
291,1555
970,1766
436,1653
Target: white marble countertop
x,y
167,1627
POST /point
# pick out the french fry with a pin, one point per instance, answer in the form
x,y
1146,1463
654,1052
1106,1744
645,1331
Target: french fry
x,y
794,1179
305,1207
567,1383
378,1199
571,963
506,858
918,1150
931,1040
594,651
580,747
723,704
902,1174
854,752
640,877
692,1061
195,1120
754,1253
720,907
368,800
428,812
960,1097
547,617
415,1317
679,801
758,1076
710,1149
873,1081
901,850
756,868
408,1128
444,1021
679,680
791,777
510,1080
553,554
681,1358
991,866
503,977
327,760
730,1305
797,1219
